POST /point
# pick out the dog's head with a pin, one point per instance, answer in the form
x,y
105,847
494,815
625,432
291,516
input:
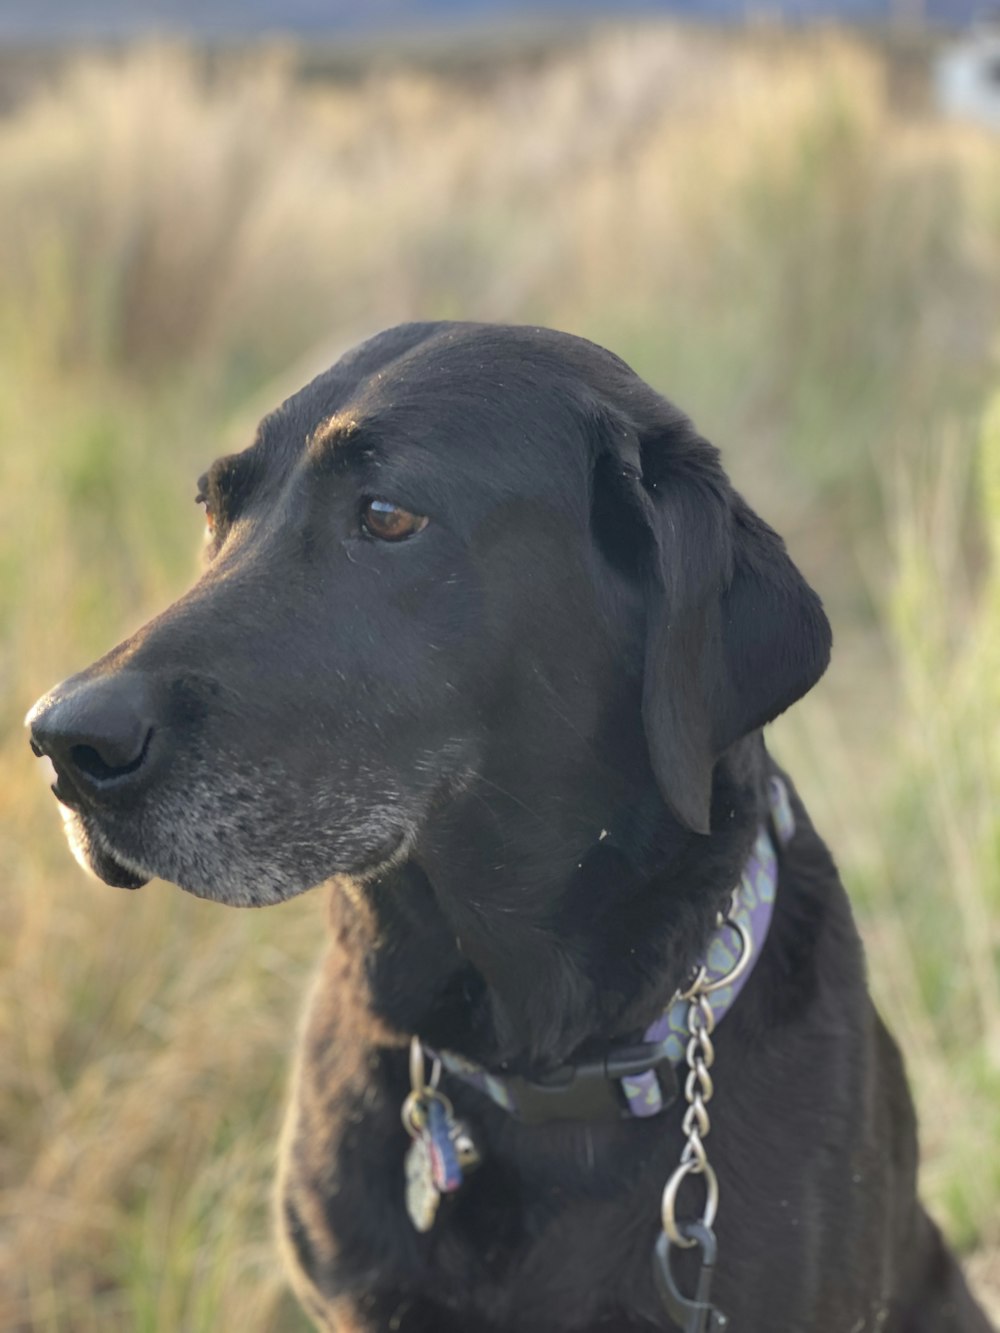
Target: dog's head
x,y
466,565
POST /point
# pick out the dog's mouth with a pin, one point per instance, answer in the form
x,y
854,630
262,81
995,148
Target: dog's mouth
x,y
86,841
214,843
94,853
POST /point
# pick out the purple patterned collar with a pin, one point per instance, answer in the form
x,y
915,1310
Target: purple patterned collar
x,y
641,1080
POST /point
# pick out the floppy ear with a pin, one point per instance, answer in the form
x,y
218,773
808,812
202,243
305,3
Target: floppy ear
x,y
734,634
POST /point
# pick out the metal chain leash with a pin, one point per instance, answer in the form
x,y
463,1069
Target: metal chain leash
x,y
698,1315
698,1089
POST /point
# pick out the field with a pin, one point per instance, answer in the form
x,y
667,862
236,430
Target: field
x,y
805,261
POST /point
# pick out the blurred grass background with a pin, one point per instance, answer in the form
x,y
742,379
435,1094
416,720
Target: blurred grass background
x,y
807,263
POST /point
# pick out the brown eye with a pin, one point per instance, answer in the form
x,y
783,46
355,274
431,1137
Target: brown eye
x,y
390,523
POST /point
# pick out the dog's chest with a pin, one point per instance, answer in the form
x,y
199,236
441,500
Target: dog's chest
x,y
501,1249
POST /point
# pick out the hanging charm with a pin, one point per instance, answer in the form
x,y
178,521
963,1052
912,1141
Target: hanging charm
x,y
446,1169
422,1197
442,1148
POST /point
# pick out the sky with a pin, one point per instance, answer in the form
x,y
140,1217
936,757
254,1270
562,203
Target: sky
x,y
68,19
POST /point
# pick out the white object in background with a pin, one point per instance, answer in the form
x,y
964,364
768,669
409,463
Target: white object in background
x,y
967,77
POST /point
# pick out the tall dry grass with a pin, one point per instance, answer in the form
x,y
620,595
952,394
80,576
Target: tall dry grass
x,y
754,226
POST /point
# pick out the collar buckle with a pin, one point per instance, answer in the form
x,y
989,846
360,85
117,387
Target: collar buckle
x,y
590,1090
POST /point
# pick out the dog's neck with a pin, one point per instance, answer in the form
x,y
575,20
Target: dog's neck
x,y
582,944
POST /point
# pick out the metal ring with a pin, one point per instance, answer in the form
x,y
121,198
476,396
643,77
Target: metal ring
x,y
692,1167
695,987
408,1114
741,964
417,1065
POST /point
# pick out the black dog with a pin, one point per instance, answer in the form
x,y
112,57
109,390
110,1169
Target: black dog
x,y
487,637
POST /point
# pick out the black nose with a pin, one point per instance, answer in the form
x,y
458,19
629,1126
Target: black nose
x,y
98,733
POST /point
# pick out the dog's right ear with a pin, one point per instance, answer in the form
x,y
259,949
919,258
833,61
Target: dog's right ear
x,y
734,634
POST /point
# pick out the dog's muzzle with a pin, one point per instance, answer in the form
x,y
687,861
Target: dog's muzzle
x,y
101,741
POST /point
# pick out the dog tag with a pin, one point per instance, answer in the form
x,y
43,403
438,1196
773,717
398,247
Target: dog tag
x,y
422,1196
440,1134
442,1147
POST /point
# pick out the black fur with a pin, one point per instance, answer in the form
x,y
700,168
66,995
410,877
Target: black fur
x,y
551,699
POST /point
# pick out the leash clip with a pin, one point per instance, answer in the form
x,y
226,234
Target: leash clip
x,y
698,1315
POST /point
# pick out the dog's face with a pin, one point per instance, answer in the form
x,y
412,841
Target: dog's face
x,y
464,555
